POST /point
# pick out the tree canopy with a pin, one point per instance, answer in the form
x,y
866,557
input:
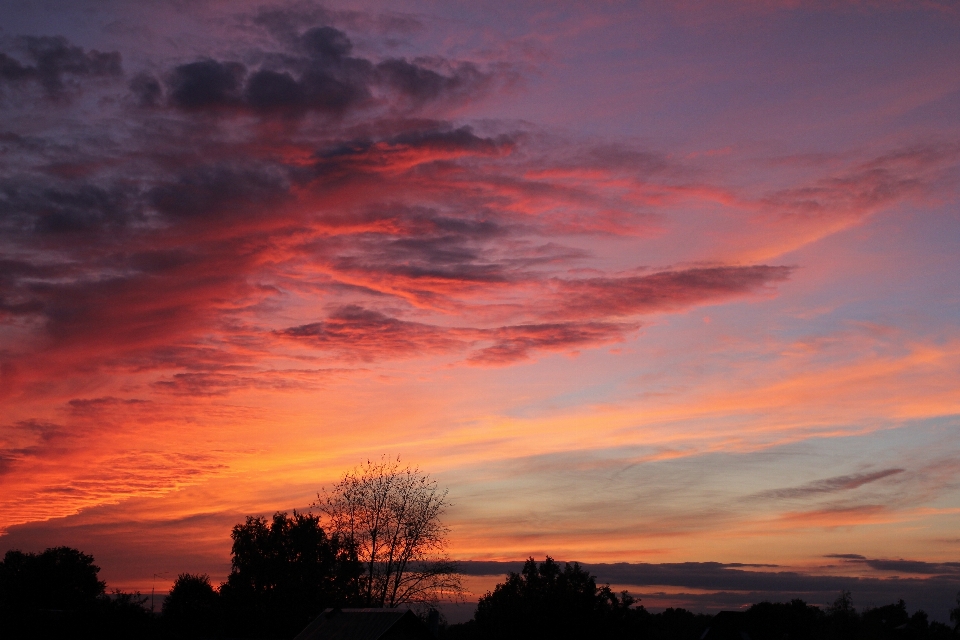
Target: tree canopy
x,y
59,578
192,608
284,573
547,600
58,593
390,515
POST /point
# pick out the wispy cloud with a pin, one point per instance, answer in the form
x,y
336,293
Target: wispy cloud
x,y
828,485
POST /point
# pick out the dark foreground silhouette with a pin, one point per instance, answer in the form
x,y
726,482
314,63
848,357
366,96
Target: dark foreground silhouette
x,y
286,572
546,600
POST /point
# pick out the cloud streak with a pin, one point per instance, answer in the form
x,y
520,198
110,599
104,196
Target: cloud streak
x,y
829,485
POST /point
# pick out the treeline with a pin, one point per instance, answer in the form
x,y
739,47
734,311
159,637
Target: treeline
x,y
546,600
287,570
57,594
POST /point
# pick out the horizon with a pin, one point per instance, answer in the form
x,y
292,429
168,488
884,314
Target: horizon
x,y
665,285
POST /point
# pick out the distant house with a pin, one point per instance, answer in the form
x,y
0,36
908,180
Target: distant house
x,y
366,624
727,625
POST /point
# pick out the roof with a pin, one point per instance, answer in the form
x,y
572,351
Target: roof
x,y
366,624
727,625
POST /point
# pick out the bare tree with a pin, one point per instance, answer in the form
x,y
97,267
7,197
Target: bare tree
x,y
392,517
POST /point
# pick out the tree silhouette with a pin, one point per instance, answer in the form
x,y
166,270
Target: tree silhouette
x,y
191,610
955,615
58,579
795,619
285,572
547,601
391,517
842,618
57,593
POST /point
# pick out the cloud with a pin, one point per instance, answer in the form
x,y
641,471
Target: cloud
x,y
316,74
28,440
93,406
354,331
221,191
67,476
206,84
665,290
365,334
420,84
919,567
222,222
64,208
214,384
867,186
55,59
829,485
521,342
147,89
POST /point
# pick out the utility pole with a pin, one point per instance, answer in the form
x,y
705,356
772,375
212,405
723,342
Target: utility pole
x,y
154,586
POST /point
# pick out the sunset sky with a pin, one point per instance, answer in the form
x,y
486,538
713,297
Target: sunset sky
x,y
648,283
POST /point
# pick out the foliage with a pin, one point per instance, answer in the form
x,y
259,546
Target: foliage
x,y
284,573
955,615
391,517
795,619
546,600
57,593
60,578
192,608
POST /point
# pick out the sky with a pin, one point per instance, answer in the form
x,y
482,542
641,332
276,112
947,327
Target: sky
x,y
668,288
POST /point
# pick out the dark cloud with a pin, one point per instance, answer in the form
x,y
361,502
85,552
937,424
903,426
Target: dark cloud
x,y
326,83
521,342
91,406
64,208
430,142
326,44
443,259
318,75
147,90
30,439
11,70
206,84
268,90
902,566
149,304
399,220
354,331
324,92
829,485
221,190
285,24
54,58
172,246
421,84
459,139
448,258
210,384
665,290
